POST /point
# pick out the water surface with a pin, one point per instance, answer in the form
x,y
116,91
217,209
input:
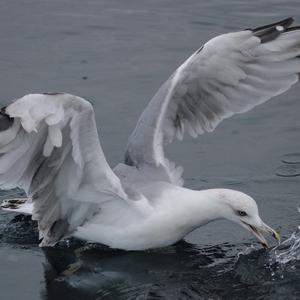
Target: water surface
x,y
116,54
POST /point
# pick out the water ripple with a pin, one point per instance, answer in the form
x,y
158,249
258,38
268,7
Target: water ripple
x,y
290,167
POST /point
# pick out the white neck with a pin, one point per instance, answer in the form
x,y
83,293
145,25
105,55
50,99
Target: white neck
x,y
196,208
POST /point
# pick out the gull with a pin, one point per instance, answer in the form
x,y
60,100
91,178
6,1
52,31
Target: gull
x,y
50,148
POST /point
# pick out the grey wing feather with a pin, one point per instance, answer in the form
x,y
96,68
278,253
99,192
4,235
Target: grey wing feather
x,y
230,74
49,146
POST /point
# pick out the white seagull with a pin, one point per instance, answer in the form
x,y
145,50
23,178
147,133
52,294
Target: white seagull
x,y
49,147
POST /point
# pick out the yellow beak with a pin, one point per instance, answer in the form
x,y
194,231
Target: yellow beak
x,y
258,233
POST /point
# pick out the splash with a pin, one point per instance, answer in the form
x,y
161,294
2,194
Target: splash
x,y
288,250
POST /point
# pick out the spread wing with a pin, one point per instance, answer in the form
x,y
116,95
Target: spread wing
x,y
49,146
230,74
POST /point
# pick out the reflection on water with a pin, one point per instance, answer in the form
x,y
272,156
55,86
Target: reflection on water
x,y
109,274
182,271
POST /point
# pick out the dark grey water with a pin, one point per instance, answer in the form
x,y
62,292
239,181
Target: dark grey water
x,y
116,54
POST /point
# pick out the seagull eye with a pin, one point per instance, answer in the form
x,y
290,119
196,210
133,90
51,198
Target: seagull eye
x,y
241,213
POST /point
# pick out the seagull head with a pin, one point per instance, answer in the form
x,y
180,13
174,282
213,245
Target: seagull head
x,y
242,209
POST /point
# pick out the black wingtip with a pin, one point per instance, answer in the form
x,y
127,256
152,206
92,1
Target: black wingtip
x,y
285,23
5,120
294,28
270,32
53,93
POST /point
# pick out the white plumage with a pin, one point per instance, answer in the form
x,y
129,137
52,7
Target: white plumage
x,y
49,146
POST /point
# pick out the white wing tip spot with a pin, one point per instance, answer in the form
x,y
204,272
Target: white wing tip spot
x,y
279,28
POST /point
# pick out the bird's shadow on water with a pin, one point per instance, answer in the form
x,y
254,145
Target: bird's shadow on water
x,y
97,272
181,271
